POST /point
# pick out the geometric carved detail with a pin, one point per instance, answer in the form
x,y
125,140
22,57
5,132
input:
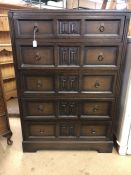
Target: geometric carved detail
x,y
68,83
67,130
67,108
68,55
69,27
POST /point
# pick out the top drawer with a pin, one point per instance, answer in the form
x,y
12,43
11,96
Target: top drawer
x,y
67,26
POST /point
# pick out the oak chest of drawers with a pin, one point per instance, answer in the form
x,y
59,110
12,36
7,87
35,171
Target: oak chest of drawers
x,y
69,85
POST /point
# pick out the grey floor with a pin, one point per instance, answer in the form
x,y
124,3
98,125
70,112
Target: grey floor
x,y
14,162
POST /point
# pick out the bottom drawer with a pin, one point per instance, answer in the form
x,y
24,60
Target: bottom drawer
x,y
68,130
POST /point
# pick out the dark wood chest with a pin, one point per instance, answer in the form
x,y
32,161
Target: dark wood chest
x,y
69,85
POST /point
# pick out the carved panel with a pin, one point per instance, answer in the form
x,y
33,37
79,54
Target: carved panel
x,y
68,55
68,108
69,27
68,83
67,129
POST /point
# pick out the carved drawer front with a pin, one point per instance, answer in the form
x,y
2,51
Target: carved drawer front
x,y
3,124
69,55
68,83
71,27
100,55
27,28
96,109
67,129
106,27
98,83
2,107
94,130
39,83
42,55
44,108
45,130
68,109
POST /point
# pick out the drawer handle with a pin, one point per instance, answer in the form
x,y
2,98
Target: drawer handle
x,y
37,57
36,28
100,57
39,84
42,131
97,85
101,28
95,109
93,131
40,108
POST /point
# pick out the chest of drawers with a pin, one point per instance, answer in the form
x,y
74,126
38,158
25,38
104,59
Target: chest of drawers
x,y
69,85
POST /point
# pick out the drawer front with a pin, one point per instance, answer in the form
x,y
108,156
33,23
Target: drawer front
x,y
47,130
38,83
68,109
52,25
97,83
94,108
106,27
26,28
3,124
62,130
101,55
40,108
95,130
41,55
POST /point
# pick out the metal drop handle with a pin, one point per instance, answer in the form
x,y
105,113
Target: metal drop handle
x,y
100,57
97,85
102,27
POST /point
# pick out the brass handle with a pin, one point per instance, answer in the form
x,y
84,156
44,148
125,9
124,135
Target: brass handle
x,y
39,84
97,85
95,109
36,29
42,131
40,108
101,28
37,57
93,131
100,57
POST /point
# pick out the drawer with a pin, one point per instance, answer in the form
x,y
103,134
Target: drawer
x,y
104,26
26,27
41,55
101,55
98,83
45,130
45,83
96,109
91,109
100,130
62,130
3,124
44,108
